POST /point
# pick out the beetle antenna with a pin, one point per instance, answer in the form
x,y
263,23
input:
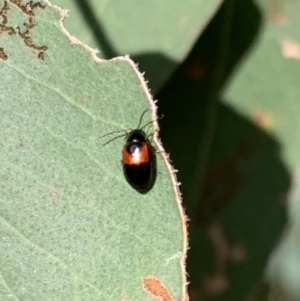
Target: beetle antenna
x,y
112,139
114,132
146,124
125,132
141,118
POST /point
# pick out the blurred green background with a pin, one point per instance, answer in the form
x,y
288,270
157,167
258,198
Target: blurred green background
x,y
226,76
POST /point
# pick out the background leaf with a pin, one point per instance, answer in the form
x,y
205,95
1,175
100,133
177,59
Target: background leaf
x,y
236,150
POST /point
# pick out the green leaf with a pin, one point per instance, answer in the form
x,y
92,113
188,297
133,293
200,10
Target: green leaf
x,y
157,34
271,100
71,228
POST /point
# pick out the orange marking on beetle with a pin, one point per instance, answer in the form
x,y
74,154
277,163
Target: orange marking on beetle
x,y
139,156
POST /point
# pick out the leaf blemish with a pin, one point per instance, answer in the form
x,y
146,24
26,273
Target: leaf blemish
x,y
28,10
3,55
55,192
290,49
157,289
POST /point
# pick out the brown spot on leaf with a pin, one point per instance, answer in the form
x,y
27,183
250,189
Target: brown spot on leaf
x,y
275,11
262,119
28,40
3,12
221,184
3,55
83,100
290,49
41,55
220,187
28,10
196,70
3,25
217,282
55,192
238,253
156,288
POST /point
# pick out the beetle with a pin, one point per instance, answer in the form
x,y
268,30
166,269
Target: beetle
x,y
138,159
